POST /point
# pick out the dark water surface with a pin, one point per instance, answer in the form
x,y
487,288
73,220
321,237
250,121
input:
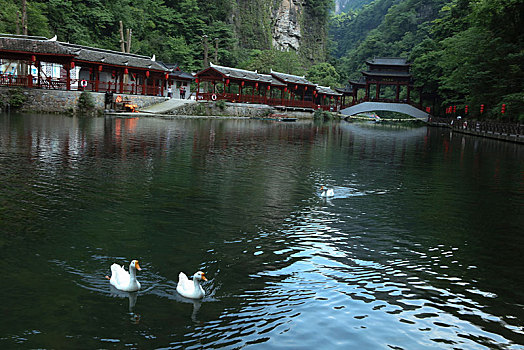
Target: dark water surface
x,y
421,248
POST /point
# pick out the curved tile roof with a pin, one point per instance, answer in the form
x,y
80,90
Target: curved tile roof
x,y
292,79
40,45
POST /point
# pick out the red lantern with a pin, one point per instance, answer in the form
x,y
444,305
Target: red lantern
x,y
100,68
227,81
167,76
503,110
305,89
269,87
33,58
147,74
296,87
285,89
481,109
72,65
243,83
454,109
196,80
126,71
466,109
428,109
256,86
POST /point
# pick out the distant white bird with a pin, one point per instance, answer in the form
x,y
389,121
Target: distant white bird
x,y
191,289
123,280
326,192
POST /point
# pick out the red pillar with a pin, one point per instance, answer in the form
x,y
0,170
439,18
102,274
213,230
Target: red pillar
x,y
366,98
409,93
377,92
97,80
398,93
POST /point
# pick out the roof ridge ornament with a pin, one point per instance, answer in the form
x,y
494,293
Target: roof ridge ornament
x,y
153,58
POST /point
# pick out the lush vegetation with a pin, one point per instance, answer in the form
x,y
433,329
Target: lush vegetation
x,y
464,52
173,29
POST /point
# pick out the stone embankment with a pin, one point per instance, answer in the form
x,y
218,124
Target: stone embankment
x,y
62,101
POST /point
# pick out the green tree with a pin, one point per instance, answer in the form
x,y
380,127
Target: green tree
x,y
323,74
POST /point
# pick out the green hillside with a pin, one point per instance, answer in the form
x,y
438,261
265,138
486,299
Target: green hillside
x,y
173,29
464,52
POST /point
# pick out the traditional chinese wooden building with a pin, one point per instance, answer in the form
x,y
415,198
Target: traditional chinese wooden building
x,y
179,81
82,67
238,85
383,72
347,98
298,92
327,98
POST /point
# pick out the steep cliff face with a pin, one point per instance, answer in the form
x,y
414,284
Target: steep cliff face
x,y
286,25
286,31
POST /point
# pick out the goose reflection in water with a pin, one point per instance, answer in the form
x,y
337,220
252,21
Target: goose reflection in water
x,y
132,296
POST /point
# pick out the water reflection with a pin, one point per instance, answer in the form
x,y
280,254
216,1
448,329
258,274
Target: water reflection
x,y
415,250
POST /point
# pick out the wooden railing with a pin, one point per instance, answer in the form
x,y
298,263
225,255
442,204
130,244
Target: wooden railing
x,y
78,85
237,98
481,126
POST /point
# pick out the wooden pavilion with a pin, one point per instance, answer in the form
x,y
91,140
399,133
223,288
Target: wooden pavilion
x,y
327,98
238,85
299,91
384,72
81,67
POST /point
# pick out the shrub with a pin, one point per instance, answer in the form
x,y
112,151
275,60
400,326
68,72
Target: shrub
x,y
16,97
86,102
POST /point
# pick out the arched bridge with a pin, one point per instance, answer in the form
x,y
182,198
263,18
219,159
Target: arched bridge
x,y
386,106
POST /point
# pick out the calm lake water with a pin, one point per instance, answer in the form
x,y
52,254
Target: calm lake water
x,y
421,247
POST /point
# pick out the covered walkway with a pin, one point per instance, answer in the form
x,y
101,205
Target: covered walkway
x,y
37,62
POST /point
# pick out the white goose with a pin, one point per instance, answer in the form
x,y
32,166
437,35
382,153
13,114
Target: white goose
x,y
326,192
191,289
123,280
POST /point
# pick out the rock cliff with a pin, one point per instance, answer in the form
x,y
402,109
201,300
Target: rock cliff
x,y
286,25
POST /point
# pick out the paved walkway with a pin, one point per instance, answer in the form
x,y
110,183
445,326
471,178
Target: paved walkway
x,y
166,106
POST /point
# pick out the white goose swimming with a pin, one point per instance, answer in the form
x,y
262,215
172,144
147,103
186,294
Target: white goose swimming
x,y
191,289
123,280
326,192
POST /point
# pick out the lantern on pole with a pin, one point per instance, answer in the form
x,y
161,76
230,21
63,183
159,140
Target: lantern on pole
x,y
503,110
466,110
454,109
481,109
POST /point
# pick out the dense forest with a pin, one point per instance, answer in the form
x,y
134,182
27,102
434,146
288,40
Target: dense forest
x,y
463,52
173,30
